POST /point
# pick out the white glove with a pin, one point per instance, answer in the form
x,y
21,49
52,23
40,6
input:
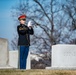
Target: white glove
x,y
30,23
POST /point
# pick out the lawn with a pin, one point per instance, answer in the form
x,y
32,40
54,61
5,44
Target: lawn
x,y
36,72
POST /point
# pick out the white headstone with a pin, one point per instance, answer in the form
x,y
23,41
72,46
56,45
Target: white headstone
x,y
4,53
63,56
13,59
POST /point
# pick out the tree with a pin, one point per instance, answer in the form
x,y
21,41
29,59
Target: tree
x,y
52,21
69,8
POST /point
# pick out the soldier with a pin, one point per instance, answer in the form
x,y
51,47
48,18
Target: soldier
x,y
24,33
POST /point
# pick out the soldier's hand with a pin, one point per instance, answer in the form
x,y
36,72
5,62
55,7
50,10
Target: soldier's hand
x,y
30,24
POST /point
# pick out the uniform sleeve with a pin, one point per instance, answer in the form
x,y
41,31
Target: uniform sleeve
x,y
31,31
22,32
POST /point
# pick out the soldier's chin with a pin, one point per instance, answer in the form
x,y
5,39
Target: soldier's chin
x,y
22,23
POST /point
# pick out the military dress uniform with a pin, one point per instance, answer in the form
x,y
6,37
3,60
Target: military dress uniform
x,y
24,33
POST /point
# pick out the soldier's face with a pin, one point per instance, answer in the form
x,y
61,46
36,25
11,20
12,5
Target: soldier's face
x,y
22,21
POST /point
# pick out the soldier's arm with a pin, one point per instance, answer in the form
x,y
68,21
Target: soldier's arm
x,y
31,31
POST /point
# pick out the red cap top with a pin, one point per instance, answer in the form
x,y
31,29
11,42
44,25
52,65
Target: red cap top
x,y
22,17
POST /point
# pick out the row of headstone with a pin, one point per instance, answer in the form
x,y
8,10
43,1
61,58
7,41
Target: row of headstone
x,y
9,59
63,56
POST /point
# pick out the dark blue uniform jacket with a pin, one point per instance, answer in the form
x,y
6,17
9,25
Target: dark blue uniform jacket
x,y
24,34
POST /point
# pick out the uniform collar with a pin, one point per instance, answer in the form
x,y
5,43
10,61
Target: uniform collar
x,y
22,24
